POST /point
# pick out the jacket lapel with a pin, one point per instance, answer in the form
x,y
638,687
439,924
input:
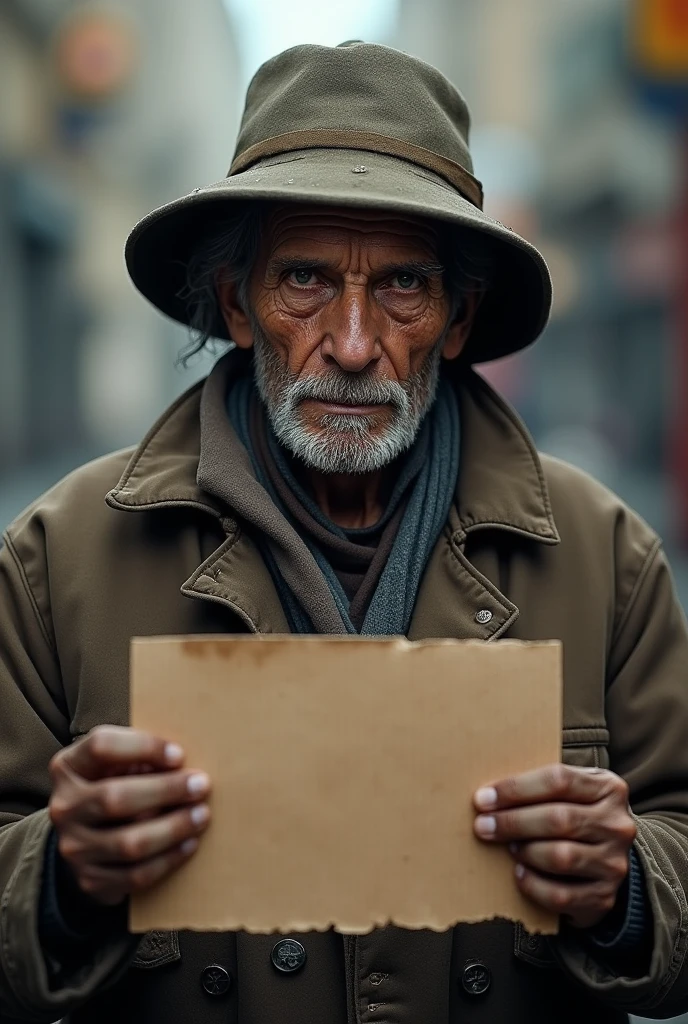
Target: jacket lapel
x,y
236,576
501,488
455,600
163,473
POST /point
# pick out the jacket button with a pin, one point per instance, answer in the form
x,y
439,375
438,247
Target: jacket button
x,y
476,978
216,980
483,616
288,955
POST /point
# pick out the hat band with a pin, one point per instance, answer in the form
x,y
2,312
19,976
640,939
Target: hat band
x,y
327,138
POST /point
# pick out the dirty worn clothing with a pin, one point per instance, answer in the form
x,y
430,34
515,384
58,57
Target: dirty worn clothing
x,y
538,545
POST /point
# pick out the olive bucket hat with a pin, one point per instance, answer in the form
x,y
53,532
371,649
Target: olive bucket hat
x,y
357,125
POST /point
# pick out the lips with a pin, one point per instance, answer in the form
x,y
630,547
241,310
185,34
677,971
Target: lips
x,y
348,408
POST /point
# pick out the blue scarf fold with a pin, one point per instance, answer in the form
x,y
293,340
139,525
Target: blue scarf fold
x,y
391,607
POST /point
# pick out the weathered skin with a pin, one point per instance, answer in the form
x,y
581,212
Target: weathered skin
x,y
353,313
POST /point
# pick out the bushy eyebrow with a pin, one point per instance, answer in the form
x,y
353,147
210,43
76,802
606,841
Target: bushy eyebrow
x,y
423,268
287,263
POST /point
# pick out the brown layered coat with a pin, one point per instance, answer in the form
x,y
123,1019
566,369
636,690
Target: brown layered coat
x,y
540,545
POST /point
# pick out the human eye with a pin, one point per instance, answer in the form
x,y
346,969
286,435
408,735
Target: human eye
x,y
302,276
406,281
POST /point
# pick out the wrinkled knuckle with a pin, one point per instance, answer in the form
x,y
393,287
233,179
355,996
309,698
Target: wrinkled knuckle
x,y
629,830
506,825
131,848
618,867
100,740
561,898
97,738
564,858
56,765
58,811
619,787
559,778
69,847
624,829
607,902
111,801
561,820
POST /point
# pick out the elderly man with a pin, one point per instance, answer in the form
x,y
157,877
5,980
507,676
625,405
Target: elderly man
x,y
342,470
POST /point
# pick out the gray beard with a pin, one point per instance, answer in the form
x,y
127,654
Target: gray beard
x,y
344,443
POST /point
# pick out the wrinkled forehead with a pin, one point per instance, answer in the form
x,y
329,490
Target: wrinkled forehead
x,y
291,225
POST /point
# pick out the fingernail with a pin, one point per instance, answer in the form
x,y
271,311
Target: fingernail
x,y
486,825
173,753
197,783
200,814
486,798
519,871
188,846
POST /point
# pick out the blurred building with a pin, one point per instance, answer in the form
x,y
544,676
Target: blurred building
x,y
38,226
609,195
106,111
572,157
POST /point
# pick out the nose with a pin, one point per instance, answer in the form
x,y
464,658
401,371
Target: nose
x,y
352,340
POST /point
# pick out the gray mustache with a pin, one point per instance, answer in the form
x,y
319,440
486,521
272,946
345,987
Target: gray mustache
x,y
348,389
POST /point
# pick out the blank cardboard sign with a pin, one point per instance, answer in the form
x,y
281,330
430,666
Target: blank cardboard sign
x,y
343,772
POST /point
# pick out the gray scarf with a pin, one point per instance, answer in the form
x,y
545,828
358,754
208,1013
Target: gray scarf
x,y
392,604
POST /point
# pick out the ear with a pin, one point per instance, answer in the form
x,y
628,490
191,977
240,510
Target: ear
x,y
460,329
233,314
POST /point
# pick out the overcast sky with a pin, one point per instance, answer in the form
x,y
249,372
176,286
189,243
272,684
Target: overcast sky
x,y
265,27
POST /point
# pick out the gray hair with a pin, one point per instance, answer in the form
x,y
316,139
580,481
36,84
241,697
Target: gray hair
x,y
229,249
226,252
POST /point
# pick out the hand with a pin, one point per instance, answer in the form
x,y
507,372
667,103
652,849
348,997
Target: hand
x,y
125,812
570,832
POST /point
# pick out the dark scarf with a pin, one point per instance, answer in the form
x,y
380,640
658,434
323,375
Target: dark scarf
x,y
414,517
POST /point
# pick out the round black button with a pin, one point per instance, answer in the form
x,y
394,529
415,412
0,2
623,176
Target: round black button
x,y
216,980
288,955
476,978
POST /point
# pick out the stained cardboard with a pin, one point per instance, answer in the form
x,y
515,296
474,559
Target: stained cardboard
x,y
343,773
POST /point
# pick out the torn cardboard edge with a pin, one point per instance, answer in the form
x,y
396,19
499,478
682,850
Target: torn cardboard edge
x,y
343,770
302,928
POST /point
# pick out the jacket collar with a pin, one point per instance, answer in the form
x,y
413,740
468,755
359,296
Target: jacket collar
x,y
163,469
501,480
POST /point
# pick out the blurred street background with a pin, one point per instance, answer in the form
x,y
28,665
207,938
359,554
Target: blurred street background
x,y
579,135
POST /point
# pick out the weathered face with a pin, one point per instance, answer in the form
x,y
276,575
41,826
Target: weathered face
x,y
349,316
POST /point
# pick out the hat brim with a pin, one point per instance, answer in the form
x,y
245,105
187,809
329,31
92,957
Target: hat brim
x,y
511,316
